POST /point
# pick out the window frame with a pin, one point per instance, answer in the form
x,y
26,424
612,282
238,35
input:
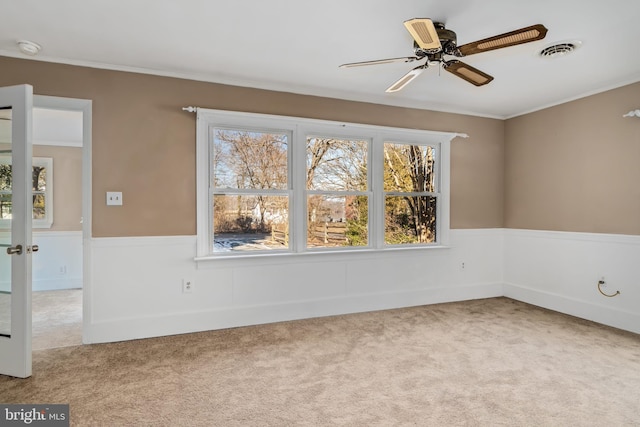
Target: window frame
x,y
300,129
47,221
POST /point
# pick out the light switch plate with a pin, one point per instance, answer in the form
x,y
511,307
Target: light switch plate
x,y
114,198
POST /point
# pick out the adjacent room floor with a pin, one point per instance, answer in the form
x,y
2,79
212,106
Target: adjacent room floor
x,y
57,318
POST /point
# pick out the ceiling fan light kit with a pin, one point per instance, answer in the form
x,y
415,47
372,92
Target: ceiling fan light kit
x,y
433,42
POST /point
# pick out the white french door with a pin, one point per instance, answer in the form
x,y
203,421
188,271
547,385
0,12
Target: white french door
x,y
16,202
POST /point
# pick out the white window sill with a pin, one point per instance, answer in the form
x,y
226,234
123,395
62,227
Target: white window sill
x,y
319,255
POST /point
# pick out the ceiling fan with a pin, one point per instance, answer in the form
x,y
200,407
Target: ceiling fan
x,y
433,41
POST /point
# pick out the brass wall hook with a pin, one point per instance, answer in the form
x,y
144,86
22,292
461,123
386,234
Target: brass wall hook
x,y
600,283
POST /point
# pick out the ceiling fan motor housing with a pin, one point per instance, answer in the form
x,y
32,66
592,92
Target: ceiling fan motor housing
x,y
448,41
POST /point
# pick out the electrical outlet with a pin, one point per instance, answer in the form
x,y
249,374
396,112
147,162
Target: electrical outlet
x,y
187,286
62,270
462,266
114,198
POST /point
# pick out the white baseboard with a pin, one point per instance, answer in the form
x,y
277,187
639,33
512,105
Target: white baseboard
x,y
56,284
609,316
179,323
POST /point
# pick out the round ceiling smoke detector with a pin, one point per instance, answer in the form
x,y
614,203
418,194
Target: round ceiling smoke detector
x,y
29,48
559,49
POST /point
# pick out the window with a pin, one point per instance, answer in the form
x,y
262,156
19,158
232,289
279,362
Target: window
x,y
410,196
250,189
42,190
337,183
273,184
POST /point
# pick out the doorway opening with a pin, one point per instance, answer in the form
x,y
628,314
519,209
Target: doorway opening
x,y
62,136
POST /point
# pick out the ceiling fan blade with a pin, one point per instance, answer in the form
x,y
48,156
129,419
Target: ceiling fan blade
x,y
523,35
406,79
468,73
424,33
380,61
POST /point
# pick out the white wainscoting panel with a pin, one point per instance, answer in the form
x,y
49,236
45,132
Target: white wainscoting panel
x,y
560,271
136,284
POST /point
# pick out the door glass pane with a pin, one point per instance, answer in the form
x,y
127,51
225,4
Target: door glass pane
x,y
5,214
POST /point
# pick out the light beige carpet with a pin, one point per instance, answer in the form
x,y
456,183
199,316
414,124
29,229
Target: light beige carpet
x,y
494,362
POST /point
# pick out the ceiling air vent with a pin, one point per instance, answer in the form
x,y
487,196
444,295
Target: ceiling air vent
x,y
559,49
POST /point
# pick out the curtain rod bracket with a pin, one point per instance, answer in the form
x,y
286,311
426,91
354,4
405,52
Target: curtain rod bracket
x,y
190,109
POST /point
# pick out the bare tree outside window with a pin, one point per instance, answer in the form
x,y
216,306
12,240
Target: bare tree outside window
x,y
337,202
39,190
410,194
250,180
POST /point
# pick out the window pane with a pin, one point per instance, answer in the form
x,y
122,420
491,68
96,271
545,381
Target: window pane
x,y
336,164
249,160
38,206
335,220
409,168
39,175
250,222
410,220
5,206
5,177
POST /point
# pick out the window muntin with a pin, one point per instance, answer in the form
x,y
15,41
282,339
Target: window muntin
x,y
411,197
42,191
321,191
249,182
337,183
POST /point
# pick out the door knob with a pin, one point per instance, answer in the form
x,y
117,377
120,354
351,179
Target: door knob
x,y
14,250
35,248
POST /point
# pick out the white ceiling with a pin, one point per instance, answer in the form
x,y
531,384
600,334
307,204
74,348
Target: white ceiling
x,y
297,45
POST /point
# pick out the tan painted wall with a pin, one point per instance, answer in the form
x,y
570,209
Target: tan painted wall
x,y
144,145
576,166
